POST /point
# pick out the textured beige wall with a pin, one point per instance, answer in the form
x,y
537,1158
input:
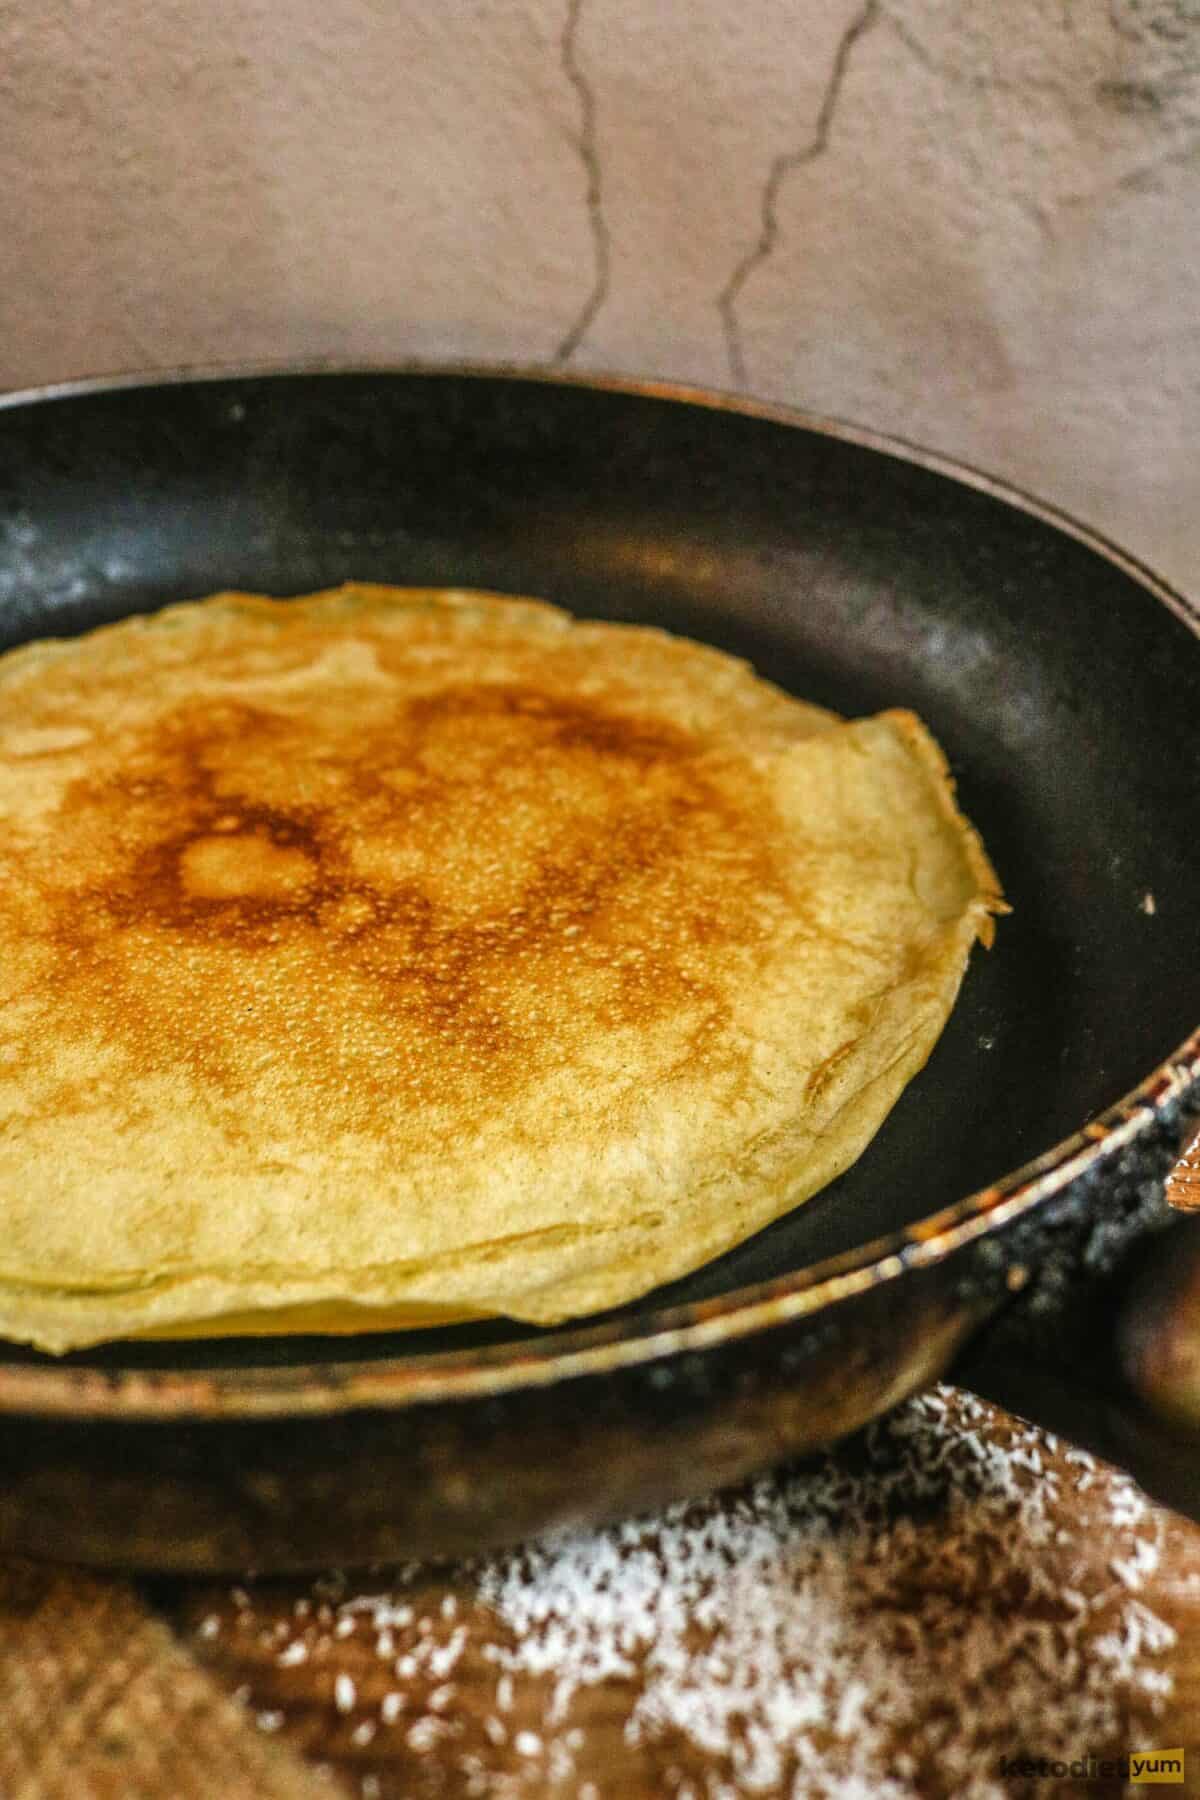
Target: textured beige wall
x,y
970,221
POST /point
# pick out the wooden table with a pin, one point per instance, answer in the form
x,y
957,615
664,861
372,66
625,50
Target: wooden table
x,y
950,1590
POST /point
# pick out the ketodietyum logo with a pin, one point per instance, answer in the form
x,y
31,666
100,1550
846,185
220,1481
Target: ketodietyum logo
x,y
1139,1767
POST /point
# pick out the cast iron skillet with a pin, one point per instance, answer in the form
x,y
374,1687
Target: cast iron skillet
x,y
1065,683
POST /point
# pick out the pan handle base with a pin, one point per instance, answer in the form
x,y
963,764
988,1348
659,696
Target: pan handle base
x,y
1120,1374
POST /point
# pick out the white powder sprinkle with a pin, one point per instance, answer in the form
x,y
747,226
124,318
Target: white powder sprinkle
x,y
444,1656
422,1736
1132,1570
794,1632
269,1721
382,1610
209,1627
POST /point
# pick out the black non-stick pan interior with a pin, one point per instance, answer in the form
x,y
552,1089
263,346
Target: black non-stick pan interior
x,y
1066,692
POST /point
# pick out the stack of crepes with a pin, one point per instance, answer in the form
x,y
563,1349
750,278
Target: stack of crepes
x,y
390,956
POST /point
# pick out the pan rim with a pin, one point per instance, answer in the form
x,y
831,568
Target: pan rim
x,y
65,1391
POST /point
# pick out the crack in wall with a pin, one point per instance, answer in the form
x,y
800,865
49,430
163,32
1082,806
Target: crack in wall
x,y
1144,21
1136,178
589,156
982,82
1149,98
783,166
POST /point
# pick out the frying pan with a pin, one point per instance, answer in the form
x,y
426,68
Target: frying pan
x,y
1016,1172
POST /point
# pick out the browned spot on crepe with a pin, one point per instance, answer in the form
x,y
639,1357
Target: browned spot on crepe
x,y
444,902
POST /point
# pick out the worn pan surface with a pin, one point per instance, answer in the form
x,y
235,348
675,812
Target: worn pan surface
x,y
1063,680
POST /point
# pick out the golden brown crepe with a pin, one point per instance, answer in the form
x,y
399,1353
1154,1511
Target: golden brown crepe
x,y
387,956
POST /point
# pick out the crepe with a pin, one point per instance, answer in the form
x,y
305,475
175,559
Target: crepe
x,y
388,956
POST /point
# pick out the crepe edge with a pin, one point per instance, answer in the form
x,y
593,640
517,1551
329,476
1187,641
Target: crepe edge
x,y
990,902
